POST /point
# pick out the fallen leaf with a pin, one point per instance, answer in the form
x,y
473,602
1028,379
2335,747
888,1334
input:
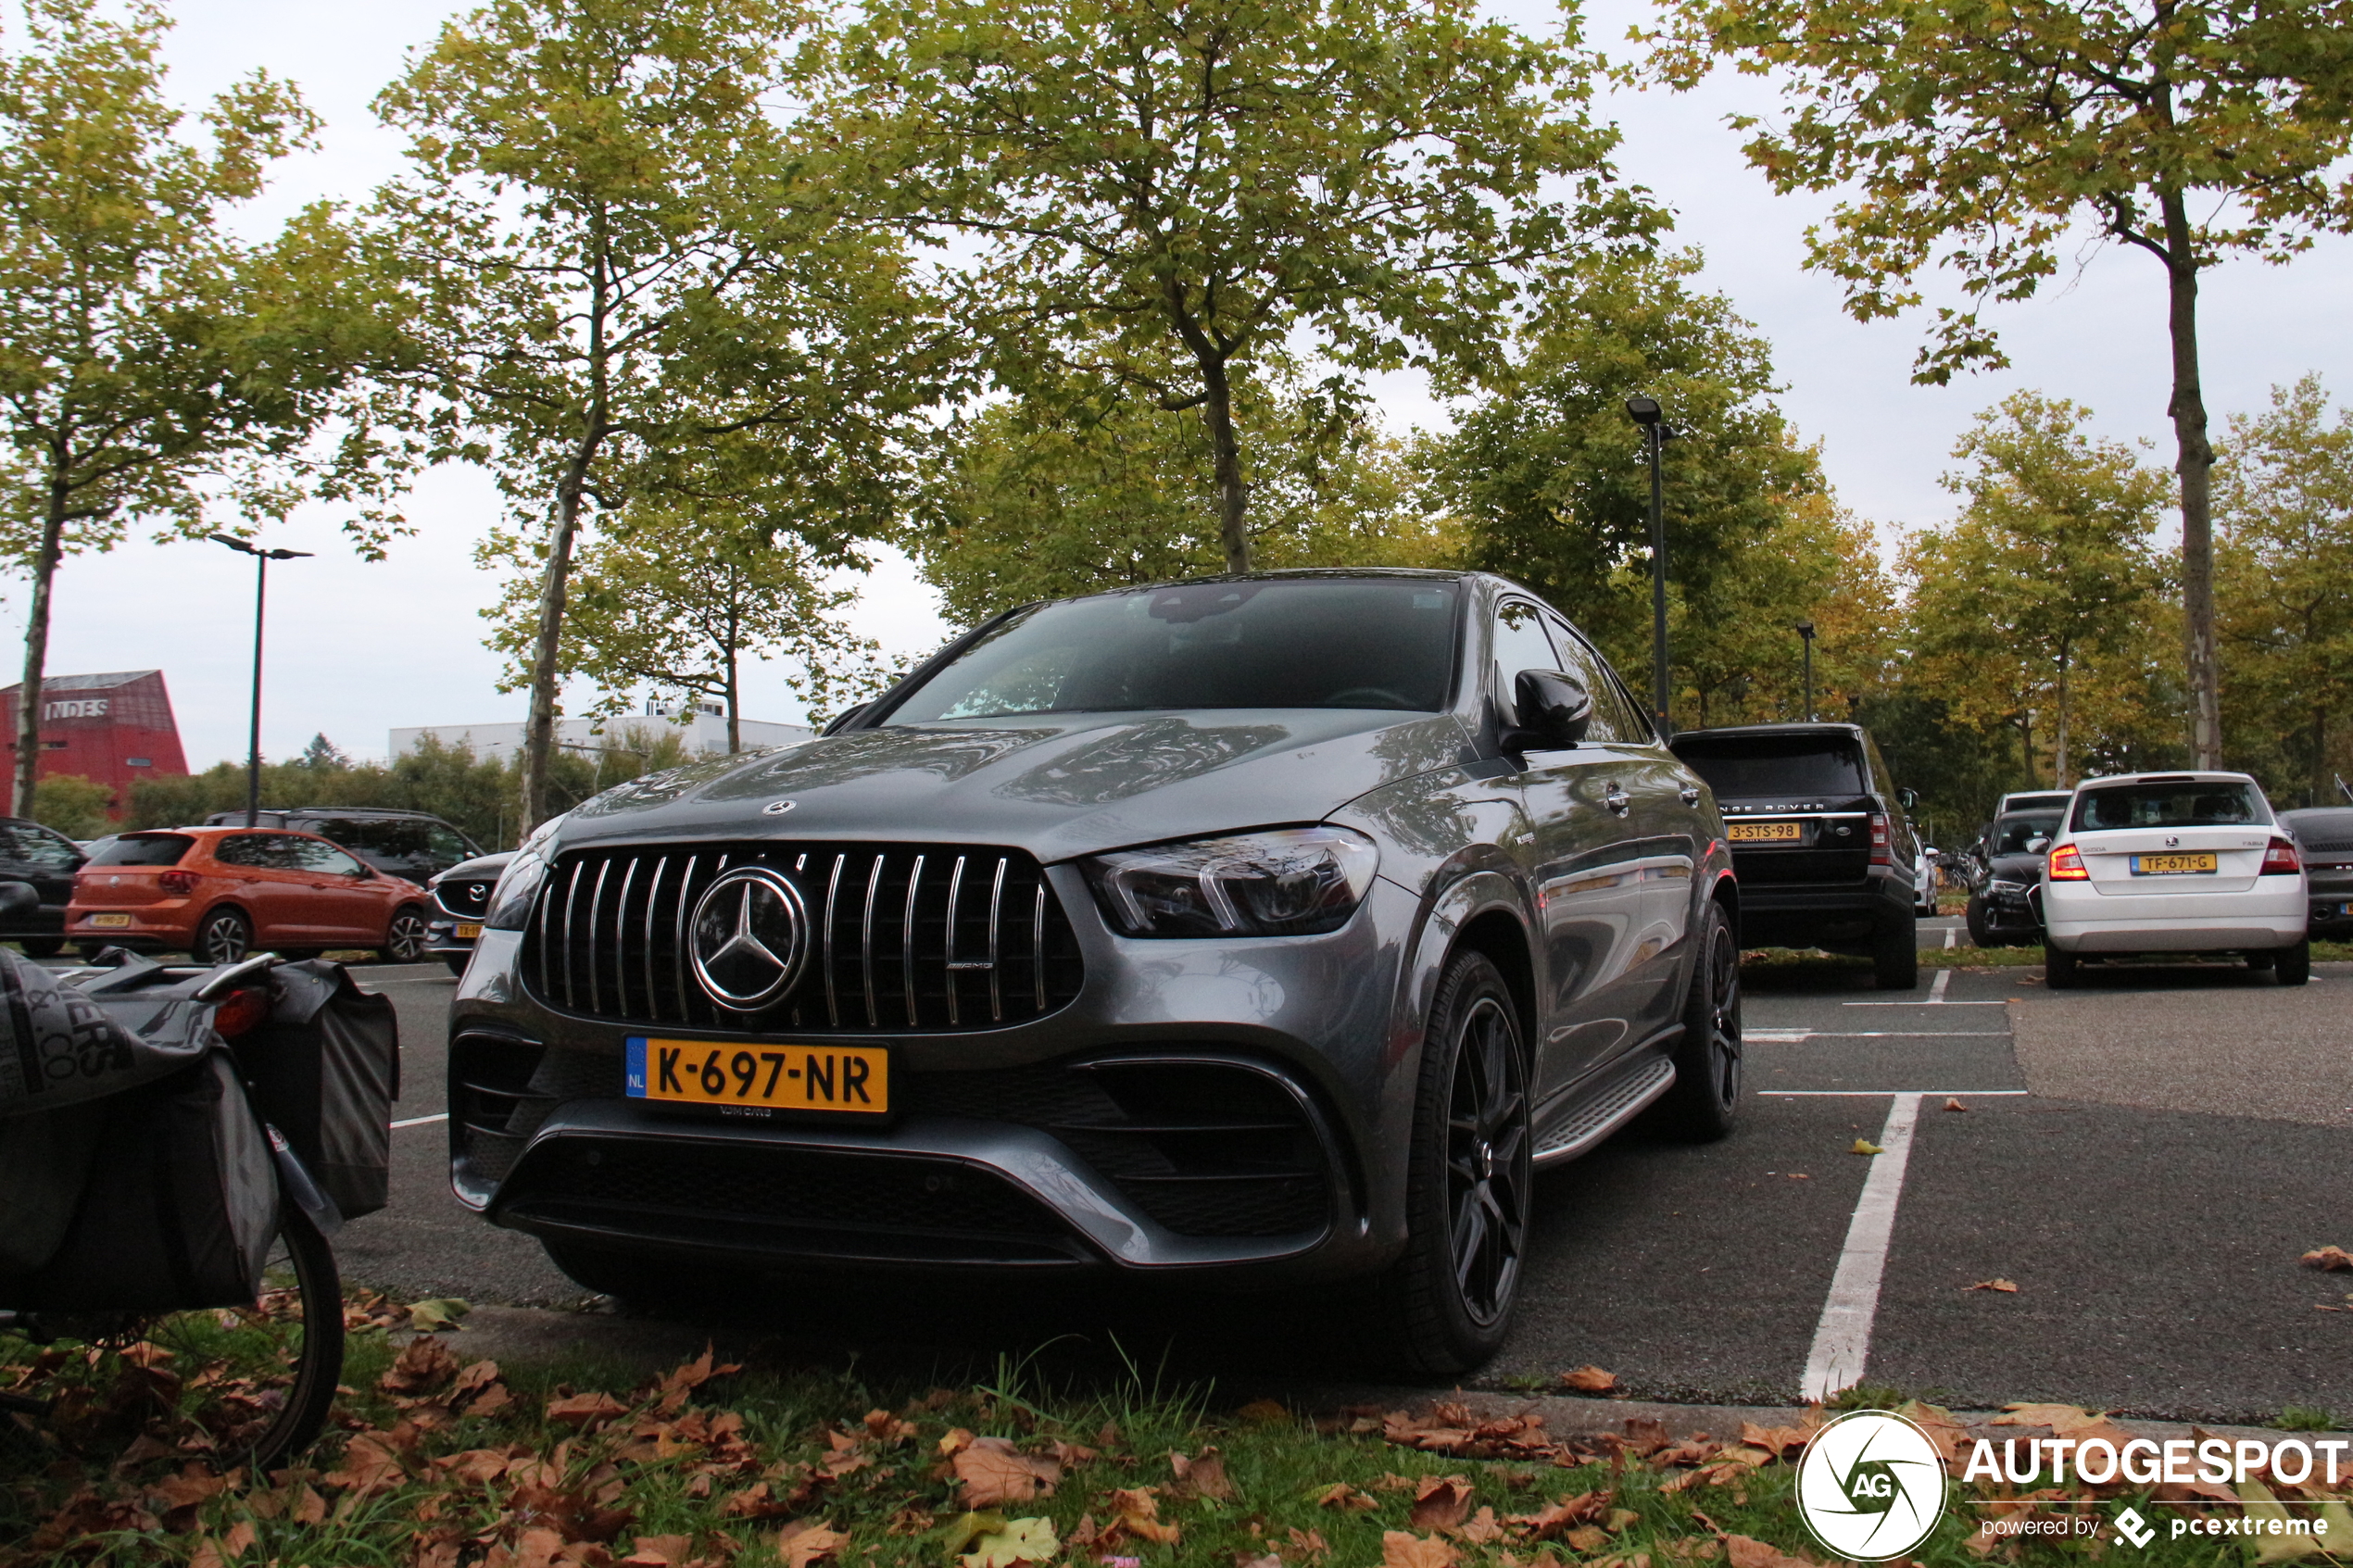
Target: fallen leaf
x,y
1441,1502
1202,1476
1481,1527
421,1366
1265,1411
992,1472
1590,1380
586,1410
2330,1258
369,1465
1951,1104
1746,1551
2008,1287
659,1552
1137,1512
1588,1537
239,1540
441,1312
800,1545
1309,1543
1022,1540
308,1508
1775,1439
207,1555
1342,1496
1860,1146
1399,1550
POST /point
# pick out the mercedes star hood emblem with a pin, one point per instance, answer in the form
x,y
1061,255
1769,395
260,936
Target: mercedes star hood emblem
x,y
749,938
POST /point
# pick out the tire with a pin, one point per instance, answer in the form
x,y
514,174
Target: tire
x,y
224,935
1705,1101
42,946
2262,964
1445,1305
2293,966
2061,970
1895,955
1980,934
405,936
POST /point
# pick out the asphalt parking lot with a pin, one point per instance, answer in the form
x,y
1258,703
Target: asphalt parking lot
x,y
2145,1159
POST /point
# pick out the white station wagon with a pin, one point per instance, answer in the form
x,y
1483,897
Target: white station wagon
x,y
2174,863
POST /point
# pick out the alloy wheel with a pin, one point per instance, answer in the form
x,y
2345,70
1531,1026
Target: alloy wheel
x,y
224,939
405,938
1724,1016
1487,1164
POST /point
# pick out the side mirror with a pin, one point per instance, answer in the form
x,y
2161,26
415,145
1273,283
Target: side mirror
x,y
2036,845
1556,710
1907,797
363,872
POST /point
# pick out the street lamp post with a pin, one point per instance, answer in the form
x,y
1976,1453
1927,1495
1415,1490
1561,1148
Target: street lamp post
x,y
261,559
1806,630
1646,412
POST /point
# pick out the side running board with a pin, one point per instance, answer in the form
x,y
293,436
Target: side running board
x,y
1615,1106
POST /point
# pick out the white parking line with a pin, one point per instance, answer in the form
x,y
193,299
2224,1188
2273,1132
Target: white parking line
x,y
1842,1339
422,1121
1951,936
1878,1094
1787,1036
1944,980
1948,1003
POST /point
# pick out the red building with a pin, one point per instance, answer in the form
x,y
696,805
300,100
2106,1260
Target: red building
x,y
114,729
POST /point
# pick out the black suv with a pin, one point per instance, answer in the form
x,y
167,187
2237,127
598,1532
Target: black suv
x,y
2005,884
46,860
1821,845
414,845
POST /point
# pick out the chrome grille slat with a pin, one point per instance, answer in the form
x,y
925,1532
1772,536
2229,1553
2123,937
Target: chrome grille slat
x,y
607,959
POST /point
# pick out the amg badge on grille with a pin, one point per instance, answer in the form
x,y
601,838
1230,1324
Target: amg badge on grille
x,y
749,938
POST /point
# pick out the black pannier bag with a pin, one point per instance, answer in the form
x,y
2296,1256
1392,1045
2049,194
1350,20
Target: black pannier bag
x,y
178,1208
325,1068
59,1047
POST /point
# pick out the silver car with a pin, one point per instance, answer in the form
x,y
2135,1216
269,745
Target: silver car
x,y
1258,929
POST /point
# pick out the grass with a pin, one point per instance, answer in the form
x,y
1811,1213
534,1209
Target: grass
x,y
2304,1418
576,1463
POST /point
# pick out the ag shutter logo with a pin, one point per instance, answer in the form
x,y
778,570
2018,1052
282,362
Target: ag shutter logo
x,y
1870,1486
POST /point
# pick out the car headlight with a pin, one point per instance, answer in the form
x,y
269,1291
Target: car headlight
x,y
1288,881
518,884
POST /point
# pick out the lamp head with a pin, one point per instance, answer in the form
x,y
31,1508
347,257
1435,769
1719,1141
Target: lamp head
x,y
1806,630
1644,410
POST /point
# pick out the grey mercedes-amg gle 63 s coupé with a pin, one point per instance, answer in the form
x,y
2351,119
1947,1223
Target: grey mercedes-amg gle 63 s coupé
x,y
1262,929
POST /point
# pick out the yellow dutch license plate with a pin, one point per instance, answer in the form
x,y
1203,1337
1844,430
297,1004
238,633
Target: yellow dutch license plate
x,y
2172,865
468,932
1764,833
854,1079
111,922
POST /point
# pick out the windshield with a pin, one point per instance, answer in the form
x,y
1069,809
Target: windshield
x,y
2170,803
2012,835
1343,643
142,850
1750,767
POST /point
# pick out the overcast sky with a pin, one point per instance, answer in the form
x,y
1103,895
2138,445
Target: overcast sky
x,y
358,649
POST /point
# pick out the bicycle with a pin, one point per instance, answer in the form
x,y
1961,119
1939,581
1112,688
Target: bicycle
x,y
241,1366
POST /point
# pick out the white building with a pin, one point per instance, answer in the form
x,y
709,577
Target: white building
x,y
704,732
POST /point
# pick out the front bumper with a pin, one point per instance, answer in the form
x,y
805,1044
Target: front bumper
x,y
1098,1136
443,942
2078,919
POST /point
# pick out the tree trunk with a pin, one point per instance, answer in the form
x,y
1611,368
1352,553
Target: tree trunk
x,y
1233,498
539,730
36,653
2058,757
2195,463
2026,745
2320,757
734,693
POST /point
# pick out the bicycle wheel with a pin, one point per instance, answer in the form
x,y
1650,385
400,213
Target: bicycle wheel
x,y
248,1385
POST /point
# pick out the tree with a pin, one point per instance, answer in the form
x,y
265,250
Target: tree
x,y
1030,500
323,755
74,805
678,599
2048,567
1547,474
625,289
1976,135
1163,194
2285,573
146,355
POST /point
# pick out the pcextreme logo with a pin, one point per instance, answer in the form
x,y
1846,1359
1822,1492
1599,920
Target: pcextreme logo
x,y
1870,1486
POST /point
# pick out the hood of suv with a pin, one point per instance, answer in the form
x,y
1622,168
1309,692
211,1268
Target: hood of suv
x,y
1057,785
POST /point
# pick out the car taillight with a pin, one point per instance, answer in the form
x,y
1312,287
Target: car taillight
x,y
1880,855
239,1012
179,882
2067,865
2281,859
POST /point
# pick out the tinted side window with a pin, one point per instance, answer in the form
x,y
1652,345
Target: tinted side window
x,y
45,849
1749,766
445,847
144,849
263,851
1520,643
337,828
1615,715
317,855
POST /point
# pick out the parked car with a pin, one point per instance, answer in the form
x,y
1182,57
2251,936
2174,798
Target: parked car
x,y
1924,882
2033,800
46,860
414,845
1251,929
220,893
2174,863
460,897
1819,841
2324,834
2005,899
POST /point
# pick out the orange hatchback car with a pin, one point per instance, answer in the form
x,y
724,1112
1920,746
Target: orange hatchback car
x,y
221,893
